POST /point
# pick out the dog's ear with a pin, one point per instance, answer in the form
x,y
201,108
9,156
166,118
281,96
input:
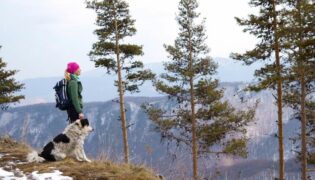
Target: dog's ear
x,y
78,122
82,122
85,122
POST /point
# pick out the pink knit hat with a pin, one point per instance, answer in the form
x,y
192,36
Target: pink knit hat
x,y
72,67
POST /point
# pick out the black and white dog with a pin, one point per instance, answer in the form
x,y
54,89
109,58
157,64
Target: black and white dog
x,y
69,143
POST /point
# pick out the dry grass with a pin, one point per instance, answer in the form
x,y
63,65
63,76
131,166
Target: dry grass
x,y
16,152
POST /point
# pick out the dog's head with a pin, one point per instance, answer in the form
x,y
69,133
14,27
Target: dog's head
x,y
83,125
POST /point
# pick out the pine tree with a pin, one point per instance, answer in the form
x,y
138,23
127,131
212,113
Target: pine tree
x,y
300,44
267,27
115,24
200,118
8,86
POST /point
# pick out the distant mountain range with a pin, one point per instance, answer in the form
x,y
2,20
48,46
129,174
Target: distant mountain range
x,y
37,124
99,86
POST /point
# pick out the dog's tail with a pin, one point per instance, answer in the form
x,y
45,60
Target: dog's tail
x,y
34,157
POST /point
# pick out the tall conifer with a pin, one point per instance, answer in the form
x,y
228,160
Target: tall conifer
x,y
201,119
299,87
267,27
114,26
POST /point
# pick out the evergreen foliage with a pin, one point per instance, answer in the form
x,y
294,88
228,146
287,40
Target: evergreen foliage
x,y
8,86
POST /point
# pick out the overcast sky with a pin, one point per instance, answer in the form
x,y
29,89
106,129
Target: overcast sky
x,y
39,37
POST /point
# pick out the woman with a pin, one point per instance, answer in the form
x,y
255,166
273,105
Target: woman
x,y
74,89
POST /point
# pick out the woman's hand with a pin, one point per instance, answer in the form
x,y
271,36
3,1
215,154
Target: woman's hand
x,y
81,116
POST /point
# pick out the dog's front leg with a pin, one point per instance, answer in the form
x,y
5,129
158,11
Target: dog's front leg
x,y
82,154
85,158
78,152
80,148
77,155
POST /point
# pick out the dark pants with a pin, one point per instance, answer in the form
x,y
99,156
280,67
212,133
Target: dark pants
x,y
72,114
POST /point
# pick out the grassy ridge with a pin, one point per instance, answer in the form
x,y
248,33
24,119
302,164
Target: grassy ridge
x,y
16,152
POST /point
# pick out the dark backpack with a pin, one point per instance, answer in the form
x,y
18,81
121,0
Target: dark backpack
x,y
62,100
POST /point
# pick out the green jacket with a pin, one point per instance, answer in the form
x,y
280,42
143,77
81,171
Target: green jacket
x,y
74,93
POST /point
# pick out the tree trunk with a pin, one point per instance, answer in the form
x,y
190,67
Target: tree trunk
x,y
194,137
302,100
303,129
193,118
121,99
279,94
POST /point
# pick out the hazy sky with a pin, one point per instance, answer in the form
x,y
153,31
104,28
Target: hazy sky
x,y
39,37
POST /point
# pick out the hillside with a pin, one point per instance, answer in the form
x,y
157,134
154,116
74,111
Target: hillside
x,y
37,124
13,166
